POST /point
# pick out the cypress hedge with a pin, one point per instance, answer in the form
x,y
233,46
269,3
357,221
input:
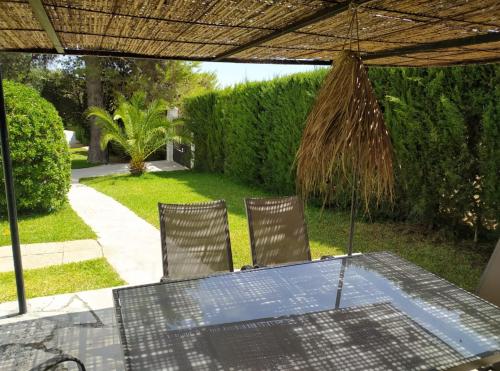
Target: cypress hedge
x,y
444,124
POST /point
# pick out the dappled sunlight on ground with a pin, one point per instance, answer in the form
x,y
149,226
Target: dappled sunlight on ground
x,y
328,231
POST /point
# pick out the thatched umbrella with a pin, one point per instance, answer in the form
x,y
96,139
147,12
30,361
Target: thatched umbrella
x,y
345,143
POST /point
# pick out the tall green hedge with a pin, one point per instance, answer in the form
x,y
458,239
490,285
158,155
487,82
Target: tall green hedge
x,y
251,132
444,124
40,155
208,133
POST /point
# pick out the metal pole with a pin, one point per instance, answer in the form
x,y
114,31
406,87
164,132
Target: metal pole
x,y
11,203
353,213
341,283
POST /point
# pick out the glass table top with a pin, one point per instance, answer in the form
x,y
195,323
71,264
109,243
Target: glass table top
x,y
467,324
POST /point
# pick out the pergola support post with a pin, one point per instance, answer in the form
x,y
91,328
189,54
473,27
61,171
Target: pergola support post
x,y
11,203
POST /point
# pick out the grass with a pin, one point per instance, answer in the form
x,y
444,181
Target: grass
x,y
61,225
79,158
59,279
328,232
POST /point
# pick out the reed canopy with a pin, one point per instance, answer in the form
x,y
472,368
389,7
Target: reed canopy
x,y
396,33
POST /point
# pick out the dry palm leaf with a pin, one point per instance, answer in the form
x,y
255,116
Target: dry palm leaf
x,y
345,142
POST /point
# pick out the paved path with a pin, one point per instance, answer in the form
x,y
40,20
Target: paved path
x,y
130,244
111,169
38,255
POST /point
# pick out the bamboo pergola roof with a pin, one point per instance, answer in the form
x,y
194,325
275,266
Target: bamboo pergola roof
x,y
391,32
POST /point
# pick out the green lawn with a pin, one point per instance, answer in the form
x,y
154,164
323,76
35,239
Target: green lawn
x,y
79,158
59,279
328,233
60,225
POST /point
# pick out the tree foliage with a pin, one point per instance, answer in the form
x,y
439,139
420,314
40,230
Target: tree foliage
x,y
166,80
23,67
61,80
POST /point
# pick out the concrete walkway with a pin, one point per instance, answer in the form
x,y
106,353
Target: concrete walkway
x,y
40,255
130,244
112,169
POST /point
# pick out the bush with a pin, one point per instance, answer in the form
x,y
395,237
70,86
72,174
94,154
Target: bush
x,y
444,124
40,155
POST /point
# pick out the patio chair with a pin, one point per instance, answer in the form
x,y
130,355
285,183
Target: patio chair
x,y
489,285
278,231
195,239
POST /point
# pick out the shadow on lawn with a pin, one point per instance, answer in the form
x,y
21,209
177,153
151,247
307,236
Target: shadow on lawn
x,y
216,187
331,228
329,231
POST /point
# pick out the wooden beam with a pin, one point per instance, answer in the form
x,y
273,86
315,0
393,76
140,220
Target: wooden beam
x,y
434,46
314,62
118,54
43,18
316,17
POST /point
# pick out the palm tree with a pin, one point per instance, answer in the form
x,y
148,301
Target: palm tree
x,y
139,128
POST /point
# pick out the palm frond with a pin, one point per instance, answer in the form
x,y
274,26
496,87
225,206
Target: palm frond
x,y
110,128
138,128
345,134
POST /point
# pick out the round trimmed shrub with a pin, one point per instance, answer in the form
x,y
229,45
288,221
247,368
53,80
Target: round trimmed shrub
x,y
40,156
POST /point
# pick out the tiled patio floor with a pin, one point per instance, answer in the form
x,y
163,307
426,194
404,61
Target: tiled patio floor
x,y
80,324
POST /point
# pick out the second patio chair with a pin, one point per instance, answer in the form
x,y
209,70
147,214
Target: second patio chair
x,y
195,239
278,232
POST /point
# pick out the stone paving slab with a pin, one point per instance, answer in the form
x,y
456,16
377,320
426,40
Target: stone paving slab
x,y
41,255
111,169
80,324
130,244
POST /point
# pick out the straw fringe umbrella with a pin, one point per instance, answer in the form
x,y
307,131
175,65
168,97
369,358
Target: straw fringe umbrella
x,y
345,142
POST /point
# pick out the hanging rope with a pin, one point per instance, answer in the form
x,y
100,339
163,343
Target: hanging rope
x,y
353,8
